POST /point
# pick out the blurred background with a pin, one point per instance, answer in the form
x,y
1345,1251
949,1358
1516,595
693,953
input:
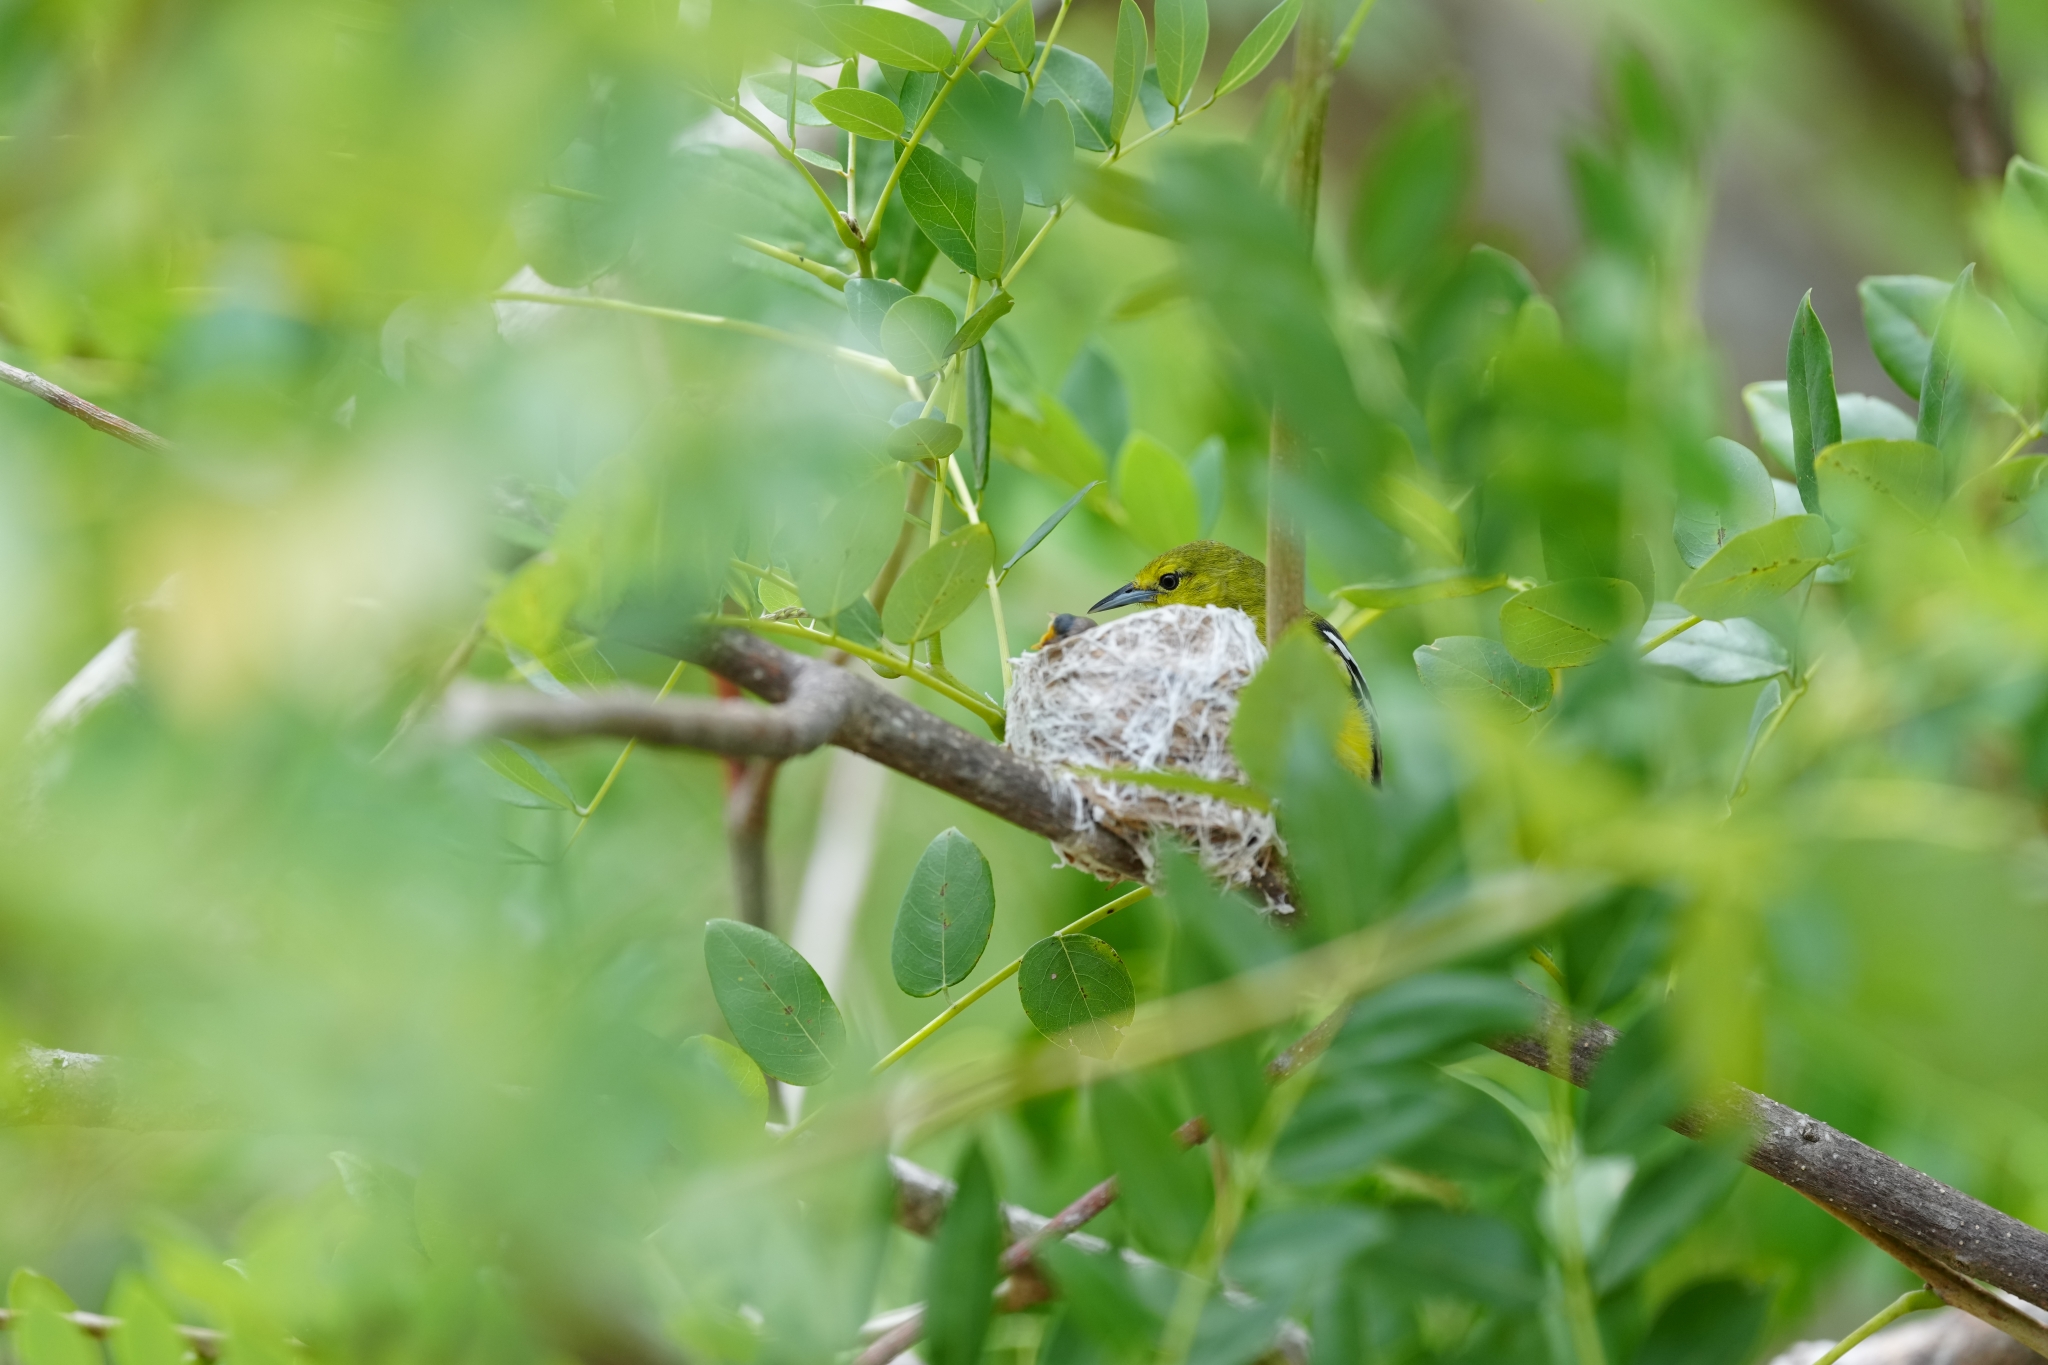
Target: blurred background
x,y
270,230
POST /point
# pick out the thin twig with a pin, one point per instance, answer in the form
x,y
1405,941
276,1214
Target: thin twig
x,y
846,355
92,414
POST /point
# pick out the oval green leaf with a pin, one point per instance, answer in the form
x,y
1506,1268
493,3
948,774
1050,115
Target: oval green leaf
x,y
947,913
2000,493
1866,482
940,197
915,333
1089,97
1739,498
1474,672
864,113
891,38
772,88
1900,313
1158,494
843,556
1717,653
924,438
1077,992
1435,586
939,585
976,327
779,1011
1180,30
1127,69
1756,567
1810,398
1260,46
1566,624
869,301
1015,38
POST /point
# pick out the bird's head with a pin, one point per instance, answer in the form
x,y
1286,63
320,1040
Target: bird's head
x,y
1202,573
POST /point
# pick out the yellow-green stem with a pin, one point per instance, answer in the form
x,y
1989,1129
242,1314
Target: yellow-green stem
x,y
873,364
953,1011
675,676
1912,1302
1672,634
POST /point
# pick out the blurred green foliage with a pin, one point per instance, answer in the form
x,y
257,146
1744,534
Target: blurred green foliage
x,y
424,1059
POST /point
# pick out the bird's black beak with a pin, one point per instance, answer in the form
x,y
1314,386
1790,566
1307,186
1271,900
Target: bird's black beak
x,y
1129,595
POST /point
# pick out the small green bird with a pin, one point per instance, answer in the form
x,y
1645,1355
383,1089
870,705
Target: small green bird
x,y
1207,573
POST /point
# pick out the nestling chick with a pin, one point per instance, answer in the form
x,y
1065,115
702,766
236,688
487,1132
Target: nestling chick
x,y
1208,573
1063,625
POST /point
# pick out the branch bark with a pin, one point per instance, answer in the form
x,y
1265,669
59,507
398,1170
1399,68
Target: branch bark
x,y
93,415
814,704
1919,1221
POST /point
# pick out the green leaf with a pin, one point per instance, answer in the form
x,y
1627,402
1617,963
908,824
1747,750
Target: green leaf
x,y
1015,40
860,623
1260,46
779,1012
1165,1190
974,11
1867,481
939,585
1127,68
960,1270
1718,653
1045,528
1300,696
1900,313
42,1336
924,438
1052,444
570,241
1566,624
519,764
1810,397
940,198
1079,84
1740,499
1661,1207
1122,198
2020,231
1756,567
148,1334
944,920
980,403
772,88
840,558
1157,494
976,327
998,221
891,38
1469,670
713,1057
869,301
1944,396
1434,586
820,159
1999,495
1412,191
1863,418
916,333
1077,992
1710,1322
1180,38
864,113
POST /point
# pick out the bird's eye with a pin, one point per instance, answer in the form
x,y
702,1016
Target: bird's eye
x,y
1168,582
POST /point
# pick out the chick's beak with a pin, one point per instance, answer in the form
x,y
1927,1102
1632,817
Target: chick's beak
x,y
1129,595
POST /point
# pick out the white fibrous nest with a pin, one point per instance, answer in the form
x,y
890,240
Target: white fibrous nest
x,y
1155,691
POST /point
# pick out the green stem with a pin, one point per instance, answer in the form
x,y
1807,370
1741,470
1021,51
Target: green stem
x,y
1912,1302
2029,432
848,238
1672,634
988,712
1052,35
675,676
756,571
1342,54
924,122
951,1012
1581,1315
1764,736
817,269
873,364
1242,1180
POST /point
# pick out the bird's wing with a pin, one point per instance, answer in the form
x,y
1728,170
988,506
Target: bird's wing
x,y
1359,691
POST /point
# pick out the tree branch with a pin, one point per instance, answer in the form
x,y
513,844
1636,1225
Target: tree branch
x,y
93,415
1909,1214
814,704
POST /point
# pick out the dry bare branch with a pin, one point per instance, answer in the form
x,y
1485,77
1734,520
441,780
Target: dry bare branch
x,y
93,415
